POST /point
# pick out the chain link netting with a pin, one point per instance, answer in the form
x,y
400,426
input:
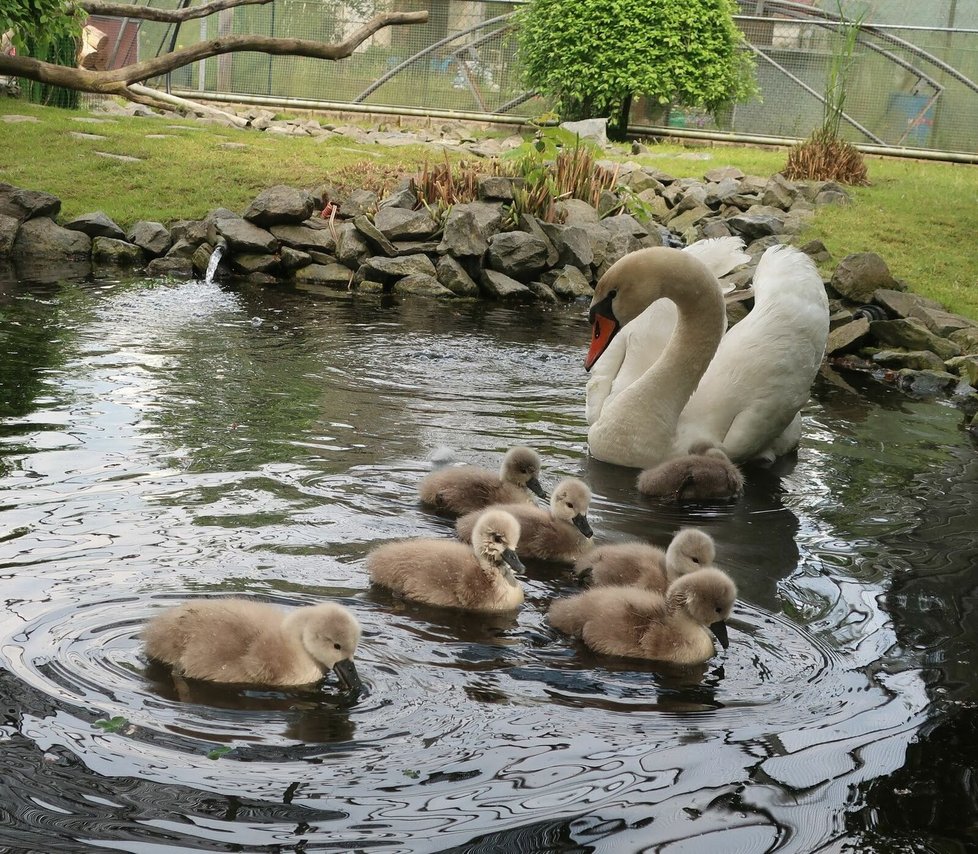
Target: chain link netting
x,y
912,80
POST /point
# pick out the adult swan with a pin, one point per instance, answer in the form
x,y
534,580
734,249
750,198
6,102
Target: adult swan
x,y
741,391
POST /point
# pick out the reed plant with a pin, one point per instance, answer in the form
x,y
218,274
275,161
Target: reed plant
x,y
825,156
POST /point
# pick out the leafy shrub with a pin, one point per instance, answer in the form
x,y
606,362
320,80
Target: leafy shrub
x,y
592,57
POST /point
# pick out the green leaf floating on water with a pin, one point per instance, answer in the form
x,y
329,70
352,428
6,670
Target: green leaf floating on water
x,y
218,752
112,724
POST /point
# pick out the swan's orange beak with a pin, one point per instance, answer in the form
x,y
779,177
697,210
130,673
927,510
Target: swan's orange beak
x,y
603,329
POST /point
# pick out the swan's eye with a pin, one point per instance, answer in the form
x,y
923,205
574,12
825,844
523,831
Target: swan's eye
x,y
719,610
695,560
340,646
612,294
496,538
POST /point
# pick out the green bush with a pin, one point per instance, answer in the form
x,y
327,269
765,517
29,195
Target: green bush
x,y
592,57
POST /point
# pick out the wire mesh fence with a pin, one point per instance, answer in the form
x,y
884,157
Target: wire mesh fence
x,y
913,81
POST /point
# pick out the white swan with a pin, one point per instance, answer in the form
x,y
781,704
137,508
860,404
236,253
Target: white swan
x,y
749,384
642,340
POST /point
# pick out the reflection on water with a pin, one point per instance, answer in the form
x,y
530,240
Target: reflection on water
x,y
165,440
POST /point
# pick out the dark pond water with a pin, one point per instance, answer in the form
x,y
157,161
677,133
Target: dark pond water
x,y
159,441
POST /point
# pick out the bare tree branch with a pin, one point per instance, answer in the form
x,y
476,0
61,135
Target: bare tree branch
x,y
115,81
167,16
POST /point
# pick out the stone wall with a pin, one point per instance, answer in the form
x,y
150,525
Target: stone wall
x,y
358,242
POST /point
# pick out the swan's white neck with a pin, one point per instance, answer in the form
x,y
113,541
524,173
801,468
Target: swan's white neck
x,y
638,427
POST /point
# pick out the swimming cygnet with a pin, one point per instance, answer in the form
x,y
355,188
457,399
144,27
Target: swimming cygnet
x,y
456,490
561,533
705,473
447,573
255,643
645,565
637,623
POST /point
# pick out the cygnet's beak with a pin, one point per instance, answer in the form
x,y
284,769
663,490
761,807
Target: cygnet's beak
x,y
580,522
346,674
719,628
513,561
533,484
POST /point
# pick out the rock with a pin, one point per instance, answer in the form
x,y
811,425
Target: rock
x,y
757,221
351,247
23,205
469,227
758,247
9,226
570,283
720,173
194,231
966,339
151,237
497,187
848,336
542,292
902,303
857,277
576,212
96,224
375,237
402,223
41,239
519,255
911,334
358,203
253,262
501,286
178,268
243,236
278,205
918,360
595,130
816,250
201,259
833,195
181,249
626,224
618,246
404,197
925,383
694,197
110,250
420,284
335,276
389,270
370,288
293,259
965,367
313,234
688,218
720,193
534,227
941,322
655,206
779,192
454,277
641,181
715,228
572,244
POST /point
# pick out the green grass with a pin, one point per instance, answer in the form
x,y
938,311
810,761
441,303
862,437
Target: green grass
x,y
921,217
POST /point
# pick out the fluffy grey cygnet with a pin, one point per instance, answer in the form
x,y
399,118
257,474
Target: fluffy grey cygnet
x,y
646,565
244,642
561,533
456,490
637,623
704,474
452,575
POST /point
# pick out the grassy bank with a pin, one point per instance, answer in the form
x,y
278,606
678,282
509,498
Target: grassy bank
x,y
921,217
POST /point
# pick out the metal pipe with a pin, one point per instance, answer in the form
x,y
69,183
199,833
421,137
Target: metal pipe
x,y
787,142
345,107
